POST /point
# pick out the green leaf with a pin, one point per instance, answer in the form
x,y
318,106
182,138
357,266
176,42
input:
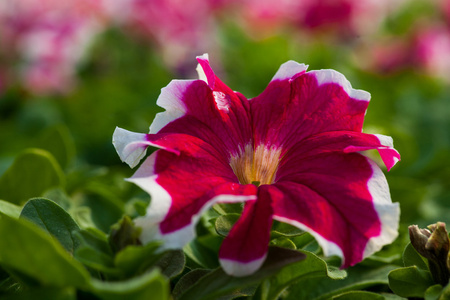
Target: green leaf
x,y
200,255
10,209
43,294
228,208
187,281
280,229
433,292
59,142
412,258
106,208
98,261
410,281
325,287
172,263
358,295
283,242
151,285
31,174
225,223
124,233
137,259
311,267
217,283
94,252
29,250
52,218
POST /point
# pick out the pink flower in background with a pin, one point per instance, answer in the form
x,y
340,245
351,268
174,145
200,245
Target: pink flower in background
x,y
49,38
292,154
342,18
178,28
425,50
431,51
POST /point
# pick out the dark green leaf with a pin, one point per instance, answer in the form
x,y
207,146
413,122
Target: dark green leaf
x,y
52,218
228,208
217,283
358,295
283,242
172,263
201,255
311,267
123,234
325,287
412,258
225,223
31,251
137,259
151,285
286,230
410,281
32,173
187,281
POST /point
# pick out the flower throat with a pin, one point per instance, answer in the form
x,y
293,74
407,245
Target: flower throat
x,y
256,166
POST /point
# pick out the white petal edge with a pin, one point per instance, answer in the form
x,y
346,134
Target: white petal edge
x,y
160,204
289,69
385,140
131,146
241,269
199,69
329,248
331,76
171,99
388,212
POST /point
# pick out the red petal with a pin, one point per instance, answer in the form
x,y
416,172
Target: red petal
x,y
245,248
338,197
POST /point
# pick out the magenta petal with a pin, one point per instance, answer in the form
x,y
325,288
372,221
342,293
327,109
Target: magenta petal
x,y
217,116
245,248
307,104
205,71
183,185
350,194
388,154
336,142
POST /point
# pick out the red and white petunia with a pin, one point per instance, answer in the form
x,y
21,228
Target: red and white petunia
x,y
292,154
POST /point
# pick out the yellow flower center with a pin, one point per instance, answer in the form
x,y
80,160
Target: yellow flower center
x,y
257,166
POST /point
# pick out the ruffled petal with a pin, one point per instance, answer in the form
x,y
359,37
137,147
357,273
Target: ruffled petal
x,y
306,104
336,142
182,186
245,248
206,109
132,146
343,200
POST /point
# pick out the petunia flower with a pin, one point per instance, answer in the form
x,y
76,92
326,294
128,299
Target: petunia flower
x,y
293,154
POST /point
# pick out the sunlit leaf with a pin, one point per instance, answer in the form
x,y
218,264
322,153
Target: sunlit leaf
x,y
147,286
29,250
10,209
